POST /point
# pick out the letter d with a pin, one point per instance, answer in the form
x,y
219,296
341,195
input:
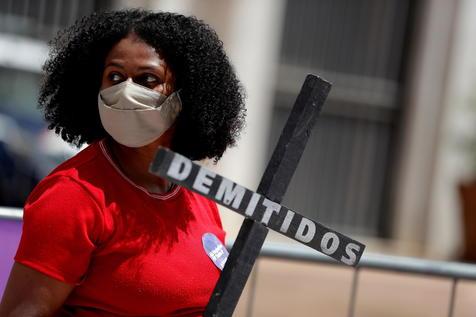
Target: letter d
x,y
311,231
180,168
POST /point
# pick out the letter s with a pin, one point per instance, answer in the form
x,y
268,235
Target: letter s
x,y
351,250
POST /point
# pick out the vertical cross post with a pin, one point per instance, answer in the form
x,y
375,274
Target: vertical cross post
x,y
273,186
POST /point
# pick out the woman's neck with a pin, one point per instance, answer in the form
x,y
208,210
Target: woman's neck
x,y
135,162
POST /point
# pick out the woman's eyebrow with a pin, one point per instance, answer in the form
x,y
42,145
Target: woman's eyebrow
x,y
151,67
114,64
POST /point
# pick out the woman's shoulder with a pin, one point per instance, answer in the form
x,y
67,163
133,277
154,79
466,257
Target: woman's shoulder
x,y
74,176
67,198
87,158
63,223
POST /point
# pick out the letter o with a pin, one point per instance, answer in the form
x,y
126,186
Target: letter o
x,y
334,239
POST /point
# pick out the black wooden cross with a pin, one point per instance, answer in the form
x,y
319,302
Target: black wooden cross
x,y
262,208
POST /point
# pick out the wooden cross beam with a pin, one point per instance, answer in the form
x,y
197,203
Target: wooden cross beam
x,y
262,208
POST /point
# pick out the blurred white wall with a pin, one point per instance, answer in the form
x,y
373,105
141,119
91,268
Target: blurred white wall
x,y
422,121
453,160
433,160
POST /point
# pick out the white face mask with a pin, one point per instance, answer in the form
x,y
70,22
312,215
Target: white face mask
x,y
134,115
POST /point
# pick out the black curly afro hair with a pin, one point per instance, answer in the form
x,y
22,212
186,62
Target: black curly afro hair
x,y
213,100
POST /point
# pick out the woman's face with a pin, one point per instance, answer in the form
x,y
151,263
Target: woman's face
x,y
132,58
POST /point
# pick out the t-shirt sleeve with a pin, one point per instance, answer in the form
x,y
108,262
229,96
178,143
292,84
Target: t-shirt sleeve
x,y
61,226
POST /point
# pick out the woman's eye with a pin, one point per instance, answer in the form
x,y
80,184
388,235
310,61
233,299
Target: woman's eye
x,y
148,80
115,77
151,78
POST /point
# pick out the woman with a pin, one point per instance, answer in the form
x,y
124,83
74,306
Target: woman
x,y
102,236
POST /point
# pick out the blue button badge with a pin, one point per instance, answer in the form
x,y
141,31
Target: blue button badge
x,y
215,249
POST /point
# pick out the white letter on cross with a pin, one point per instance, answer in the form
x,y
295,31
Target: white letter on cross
x,y
203,180
311,230
270,208
230,193
325,242
180,168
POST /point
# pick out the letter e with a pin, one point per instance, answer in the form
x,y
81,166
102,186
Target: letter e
x,y
204,180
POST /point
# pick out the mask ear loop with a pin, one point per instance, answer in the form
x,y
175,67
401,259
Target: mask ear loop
x,y
173,103
180,104
178,95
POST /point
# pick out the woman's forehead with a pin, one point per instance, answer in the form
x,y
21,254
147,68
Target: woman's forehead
x,y
132,49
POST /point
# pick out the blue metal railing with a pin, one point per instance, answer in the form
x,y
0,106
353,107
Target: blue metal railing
x,y
451,270
11,213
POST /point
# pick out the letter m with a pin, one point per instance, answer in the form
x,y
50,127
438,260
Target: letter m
x,y
230,193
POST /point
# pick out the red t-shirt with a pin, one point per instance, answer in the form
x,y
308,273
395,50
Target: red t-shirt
x,y
129,252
